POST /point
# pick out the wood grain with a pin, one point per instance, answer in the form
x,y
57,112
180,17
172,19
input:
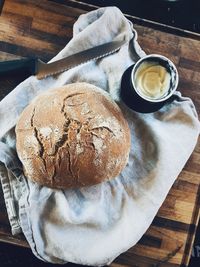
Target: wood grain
x,y
43,28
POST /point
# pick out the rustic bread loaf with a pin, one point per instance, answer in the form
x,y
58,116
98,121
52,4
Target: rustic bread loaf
x,y
72,136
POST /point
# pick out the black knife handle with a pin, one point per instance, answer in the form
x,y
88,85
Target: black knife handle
x,y
27,65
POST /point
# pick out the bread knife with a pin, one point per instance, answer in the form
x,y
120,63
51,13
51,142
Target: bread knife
x,y
35,66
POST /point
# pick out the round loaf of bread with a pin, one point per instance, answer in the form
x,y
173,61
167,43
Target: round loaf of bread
x,y
71,137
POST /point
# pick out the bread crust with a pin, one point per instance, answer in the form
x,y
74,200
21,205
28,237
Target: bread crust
x,y
72,136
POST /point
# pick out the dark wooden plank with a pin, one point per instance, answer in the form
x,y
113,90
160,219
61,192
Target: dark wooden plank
x,y
1,5
140,21
191,232
173,225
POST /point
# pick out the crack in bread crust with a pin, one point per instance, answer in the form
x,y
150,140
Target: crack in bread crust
x,y
36,134
68,97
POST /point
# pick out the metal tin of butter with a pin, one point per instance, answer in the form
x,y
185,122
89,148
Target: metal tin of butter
x,y
133,97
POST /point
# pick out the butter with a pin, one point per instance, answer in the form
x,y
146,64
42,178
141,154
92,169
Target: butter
x,y
152,80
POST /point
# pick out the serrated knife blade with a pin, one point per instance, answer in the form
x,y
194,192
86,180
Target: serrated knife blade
x,y
42,70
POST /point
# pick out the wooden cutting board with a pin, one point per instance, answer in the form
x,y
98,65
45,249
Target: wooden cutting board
x,y
43,28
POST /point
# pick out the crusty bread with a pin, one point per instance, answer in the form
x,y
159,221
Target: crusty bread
x,y
72,136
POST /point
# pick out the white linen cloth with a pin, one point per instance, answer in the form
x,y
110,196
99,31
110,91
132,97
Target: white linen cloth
x,y
94,225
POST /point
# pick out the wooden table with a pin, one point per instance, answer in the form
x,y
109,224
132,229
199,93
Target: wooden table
x,y
42,28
